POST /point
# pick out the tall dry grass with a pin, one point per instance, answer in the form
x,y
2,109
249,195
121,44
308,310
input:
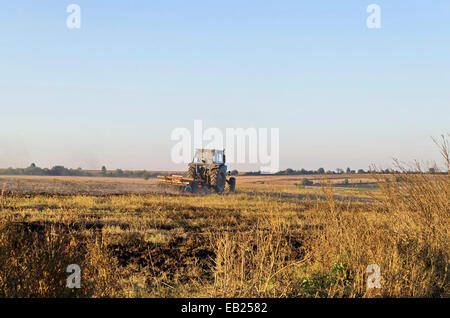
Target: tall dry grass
x,y
406,233
34,259
256,262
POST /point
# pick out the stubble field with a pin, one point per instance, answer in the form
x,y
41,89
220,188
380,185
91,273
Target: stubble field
x,y
274,237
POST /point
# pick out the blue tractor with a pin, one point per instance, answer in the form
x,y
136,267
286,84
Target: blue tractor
x,y
207,171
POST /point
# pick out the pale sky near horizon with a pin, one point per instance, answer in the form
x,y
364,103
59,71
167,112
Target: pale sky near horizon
x,y
110,93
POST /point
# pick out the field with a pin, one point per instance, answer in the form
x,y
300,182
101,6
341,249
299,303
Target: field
x,y
274,237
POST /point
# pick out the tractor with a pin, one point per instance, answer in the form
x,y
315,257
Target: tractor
x,y
207,170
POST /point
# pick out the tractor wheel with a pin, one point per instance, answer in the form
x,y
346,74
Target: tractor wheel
x,y
191,172
218,180
231,184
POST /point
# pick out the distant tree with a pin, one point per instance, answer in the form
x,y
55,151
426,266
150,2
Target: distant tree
x,y
234,172
348,170
31,170
104,171
58,171
305,181
360,171
252,173
339,171
321,171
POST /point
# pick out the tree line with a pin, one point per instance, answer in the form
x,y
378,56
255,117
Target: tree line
x,y
290,171
34,170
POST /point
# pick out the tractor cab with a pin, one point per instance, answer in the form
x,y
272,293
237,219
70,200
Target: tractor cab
x,y
209,157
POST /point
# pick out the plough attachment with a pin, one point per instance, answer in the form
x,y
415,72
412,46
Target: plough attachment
x,y
183,183
176,180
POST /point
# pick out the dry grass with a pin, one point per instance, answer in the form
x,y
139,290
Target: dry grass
x,y
34,259
312,242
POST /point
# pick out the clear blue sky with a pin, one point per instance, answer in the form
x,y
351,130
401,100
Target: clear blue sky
x,y
112,92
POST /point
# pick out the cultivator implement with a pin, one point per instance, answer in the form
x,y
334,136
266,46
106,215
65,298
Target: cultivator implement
x,y
176,180
181,182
